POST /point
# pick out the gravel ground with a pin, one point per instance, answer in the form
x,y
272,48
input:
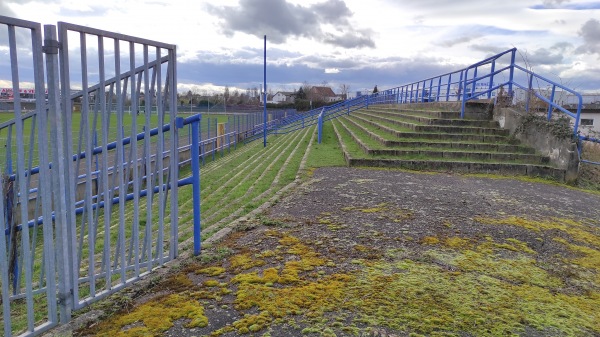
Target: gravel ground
x,y
348,214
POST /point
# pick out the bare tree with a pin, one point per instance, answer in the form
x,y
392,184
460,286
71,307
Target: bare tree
x,y
344,90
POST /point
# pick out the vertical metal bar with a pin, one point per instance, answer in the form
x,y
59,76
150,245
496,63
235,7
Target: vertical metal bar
x,y
265,96
60,181
4,270
20,180
491,85
88,134
448,88
512,72
159,160
148,160
4,265
174,169
460,87
439,88
105,182
135,92
411,92
70,176
464,93
44,185
118,171
196,188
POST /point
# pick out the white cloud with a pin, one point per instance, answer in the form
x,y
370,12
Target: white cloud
x,y
322,47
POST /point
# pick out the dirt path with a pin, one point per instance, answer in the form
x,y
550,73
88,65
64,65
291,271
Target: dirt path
x,y
389,253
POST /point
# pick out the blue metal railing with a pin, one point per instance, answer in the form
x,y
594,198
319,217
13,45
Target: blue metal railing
x,y
195,149
483,79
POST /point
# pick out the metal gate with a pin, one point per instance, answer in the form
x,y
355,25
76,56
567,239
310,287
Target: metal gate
x,y
89,175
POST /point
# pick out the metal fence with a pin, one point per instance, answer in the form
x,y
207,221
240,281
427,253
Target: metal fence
x,y
497,77
69,238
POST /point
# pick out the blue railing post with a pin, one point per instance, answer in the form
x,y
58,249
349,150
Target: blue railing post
x,y
448,87
464,93
320,126
196,186
489,94
512,72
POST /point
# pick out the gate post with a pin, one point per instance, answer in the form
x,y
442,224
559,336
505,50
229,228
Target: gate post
x,y
60,188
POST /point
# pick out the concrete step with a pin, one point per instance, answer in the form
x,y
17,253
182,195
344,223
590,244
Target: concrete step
x,y
441,153
503,164
425,119
480,138
408,143
398,120
463,167
461,155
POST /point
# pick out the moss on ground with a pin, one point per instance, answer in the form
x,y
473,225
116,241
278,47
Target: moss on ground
x,y
434,286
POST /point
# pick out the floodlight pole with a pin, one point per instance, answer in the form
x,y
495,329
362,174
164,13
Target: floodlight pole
x,y
265,95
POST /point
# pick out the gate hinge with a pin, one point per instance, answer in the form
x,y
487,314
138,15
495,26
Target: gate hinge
x,y
51,46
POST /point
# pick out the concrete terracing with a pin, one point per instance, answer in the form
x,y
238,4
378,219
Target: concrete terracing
x,y
432,136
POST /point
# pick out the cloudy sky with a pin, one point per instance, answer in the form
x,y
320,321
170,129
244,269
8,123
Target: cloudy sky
x,y
353,42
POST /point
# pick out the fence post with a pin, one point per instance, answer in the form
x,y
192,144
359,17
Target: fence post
x,y
512,72
196,185
60,186
320,126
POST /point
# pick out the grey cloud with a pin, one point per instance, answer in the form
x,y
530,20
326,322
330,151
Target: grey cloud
x,y
351,40
590,32
459,40
488,49
544,56
554,3
280,20
334,11
562,46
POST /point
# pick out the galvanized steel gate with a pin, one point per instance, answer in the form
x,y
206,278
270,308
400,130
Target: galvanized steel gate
x,y
103,136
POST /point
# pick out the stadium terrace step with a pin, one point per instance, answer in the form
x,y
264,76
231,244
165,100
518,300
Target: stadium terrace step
x,y
409,133
432,137
423,118
433,128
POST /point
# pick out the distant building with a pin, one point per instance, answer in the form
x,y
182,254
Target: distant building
x,y
284,97
324,94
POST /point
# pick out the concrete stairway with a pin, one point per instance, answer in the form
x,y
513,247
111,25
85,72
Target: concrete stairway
x,y
432,136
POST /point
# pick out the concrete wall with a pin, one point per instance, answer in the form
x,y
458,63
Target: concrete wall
x,y
562,152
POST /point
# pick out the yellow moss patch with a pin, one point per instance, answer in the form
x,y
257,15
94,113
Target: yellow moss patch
x,y
245,261
211,271
403,214
376,209
457,243
589,258
583,233
428,300
156,317
211,283
361,248
430,240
